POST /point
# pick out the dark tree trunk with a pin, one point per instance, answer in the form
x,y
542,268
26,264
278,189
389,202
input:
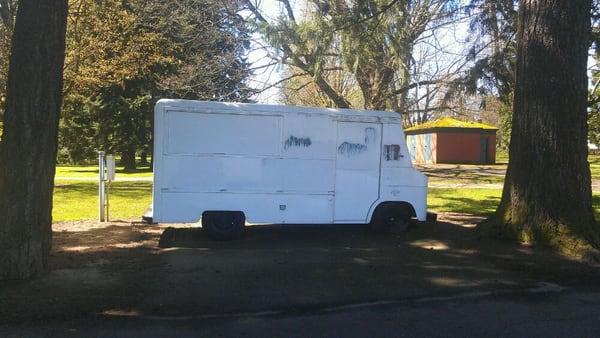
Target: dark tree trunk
x,y
128,159
144,158
547,197
29,143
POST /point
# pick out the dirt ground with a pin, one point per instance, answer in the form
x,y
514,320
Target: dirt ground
x,y
126,269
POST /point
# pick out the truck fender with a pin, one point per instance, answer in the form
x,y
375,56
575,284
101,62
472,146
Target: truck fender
x,y
383,204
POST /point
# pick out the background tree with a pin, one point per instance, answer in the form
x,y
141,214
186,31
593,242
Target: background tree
x,y
373,41
125,55
210,40
112,64
29,143
594,95
492,56
547,197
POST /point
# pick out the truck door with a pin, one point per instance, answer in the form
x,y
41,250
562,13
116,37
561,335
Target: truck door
x,y
357,170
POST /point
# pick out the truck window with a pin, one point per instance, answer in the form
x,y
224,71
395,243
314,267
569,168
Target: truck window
x,y
392,152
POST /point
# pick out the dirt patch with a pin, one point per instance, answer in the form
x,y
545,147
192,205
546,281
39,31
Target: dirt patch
x,y
470,176
128,267
475,173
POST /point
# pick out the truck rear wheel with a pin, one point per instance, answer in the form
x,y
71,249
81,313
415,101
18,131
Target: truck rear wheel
x,y
391,218
223,225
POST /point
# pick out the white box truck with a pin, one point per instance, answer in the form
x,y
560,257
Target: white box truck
x,y
228,163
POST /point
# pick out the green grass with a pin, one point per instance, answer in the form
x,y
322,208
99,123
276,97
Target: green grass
x,y
472,201
75,200
594,166
87,171
475,201
79,200
486,174
502,157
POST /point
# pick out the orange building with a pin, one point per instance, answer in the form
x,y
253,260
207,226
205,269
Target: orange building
x,y
448,140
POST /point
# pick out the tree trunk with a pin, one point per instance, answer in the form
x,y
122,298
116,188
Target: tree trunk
x,y
144,158
547,197
29,144
128,159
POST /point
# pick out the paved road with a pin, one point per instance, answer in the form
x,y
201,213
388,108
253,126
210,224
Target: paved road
x,y
545,312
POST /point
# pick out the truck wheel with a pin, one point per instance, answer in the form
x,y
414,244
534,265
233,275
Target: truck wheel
x,y
391,219
223,225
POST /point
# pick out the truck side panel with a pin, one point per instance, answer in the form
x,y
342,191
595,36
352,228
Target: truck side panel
x,y
276,169
278,164
195,133
258,207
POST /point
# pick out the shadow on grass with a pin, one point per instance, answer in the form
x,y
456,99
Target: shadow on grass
x,y
92,169
474,174
121,189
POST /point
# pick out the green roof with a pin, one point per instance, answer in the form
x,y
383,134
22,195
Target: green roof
x,y
448,122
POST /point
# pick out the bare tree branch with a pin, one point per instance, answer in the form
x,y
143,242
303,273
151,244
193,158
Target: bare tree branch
x,y
289,10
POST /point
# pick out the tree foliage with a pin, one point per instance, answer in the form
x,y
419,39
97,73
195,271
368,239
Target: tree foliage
x,y
122,56
493,48
493,62
372,41
112,61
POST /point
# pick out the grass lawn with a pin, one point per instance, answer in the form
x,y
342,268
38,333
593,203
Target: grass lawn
x,y
76,200
472,201
483,174
475,201
64,172
595,166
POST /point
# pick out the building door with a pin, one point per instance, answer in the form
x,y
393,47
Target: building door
x,y
413,147
358,156
483,156
427,148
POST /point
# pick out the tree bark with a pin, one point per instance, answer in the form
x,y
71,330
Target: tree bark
x,y
547,197
144,158
128,159
29,144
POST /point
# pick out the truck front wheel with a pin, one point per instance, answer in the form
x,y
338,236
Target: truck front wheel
x,y
223,225
391,218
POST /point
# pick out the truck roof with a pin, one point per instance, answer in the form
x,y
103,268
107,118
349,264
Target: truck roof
x,y
271,108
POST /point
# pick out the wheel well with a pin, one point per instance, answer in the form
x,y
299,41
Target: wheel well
x,y
395,204
213,212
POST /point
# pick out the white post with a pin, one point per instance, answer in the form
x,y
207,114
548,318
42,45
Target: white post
x,y
101,186
110,176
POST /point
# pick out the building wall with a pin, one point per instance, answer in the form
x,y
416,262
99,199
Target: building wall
x,y
464,147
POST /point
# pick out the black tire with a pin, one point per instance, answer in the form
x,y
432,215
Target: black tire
x,y
223,225
391,219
